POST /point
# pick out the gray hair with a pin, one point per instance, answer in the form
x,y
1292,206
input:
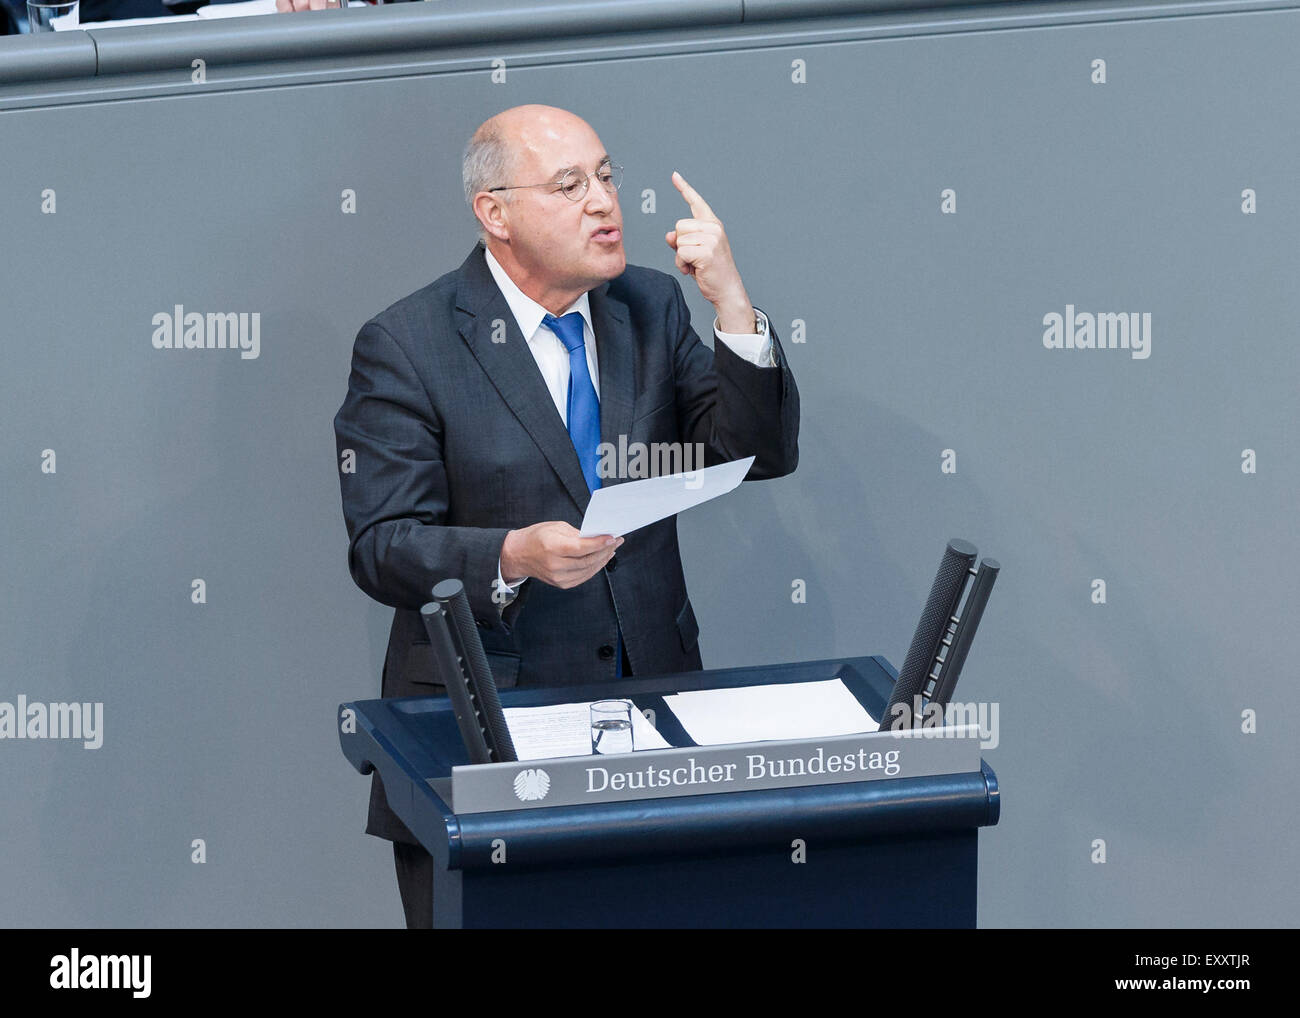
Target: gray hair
x,y
488,163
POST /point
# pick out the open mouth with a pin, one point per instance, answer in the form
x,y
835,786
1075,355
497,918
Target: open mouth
x,y
607,235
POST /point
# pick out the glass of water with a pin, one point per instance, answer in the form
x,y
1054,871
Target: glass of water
x,y
41,15
611,726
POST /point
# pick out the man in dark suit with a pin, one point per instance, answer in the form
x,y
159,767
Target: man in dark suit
x,y
476,412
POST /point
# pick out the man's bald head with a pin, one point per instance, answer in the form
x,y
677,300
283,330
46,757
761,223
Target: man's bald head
x,y
555,240
504,142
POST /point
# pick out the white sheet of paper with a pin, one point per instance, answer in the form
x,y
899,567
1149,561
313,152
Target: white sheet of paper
x,y
565,730
790,710
248,8
623,508
240,10
71,22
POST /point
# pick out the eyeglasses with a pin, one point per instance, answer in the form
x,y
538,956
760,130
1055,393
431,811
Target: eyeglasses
x,y
573,185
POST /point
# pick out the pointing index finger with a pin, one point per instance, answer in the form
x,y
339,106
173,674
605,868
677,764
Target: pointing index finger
x,y
699,207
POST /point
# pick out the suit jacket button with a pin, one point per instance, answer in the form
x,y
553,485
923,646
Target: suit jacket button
x,y
612,564
605,652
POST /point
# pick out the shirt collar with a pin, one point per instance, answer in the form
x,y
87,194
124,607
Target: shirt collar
x,y
528,313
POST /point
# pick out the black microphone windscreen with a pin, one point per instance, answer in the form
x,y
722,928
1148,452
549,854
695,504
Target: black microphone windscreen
x,y
945,595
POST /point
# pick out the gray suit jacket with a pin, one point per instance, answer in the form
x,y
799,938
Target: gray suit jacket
x,y
456,441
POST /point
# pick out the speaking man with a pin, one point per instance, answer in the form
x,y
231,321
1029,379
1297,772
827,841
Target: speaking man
x,y
476,410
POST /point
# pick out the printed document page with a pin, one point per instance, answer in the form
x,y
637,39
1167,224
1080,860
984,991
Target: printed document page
x,y
790,710
565,730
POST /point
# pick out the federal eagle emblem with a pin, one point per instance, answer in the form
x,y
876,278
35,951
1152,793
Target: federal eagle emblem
x,y
532,784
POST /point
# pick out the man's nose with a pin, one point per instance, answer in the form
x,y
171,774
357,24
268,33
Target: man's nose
x,y
598,199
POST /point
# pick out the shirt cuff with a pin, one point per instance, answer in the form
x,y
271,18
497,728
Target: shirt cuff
x,y
503,593
755,347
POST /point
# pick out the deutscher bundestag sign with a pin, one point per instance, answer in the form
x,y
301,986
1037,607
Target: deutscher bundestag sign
x,y
708,770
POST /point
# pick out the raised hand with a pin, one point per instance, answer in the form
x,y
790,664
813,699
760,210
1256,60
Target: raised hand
x,y
704,253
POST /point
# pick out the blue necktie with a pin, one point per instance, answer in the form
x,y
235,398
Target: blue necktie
x,y
583,412
583,406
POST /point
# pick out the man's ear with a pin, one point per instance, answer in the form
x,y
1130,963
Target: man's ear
x,y
491,212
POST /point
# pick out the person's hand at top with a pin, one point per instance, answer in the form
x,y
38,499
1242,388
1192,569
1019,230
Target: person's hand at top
x,y
289,6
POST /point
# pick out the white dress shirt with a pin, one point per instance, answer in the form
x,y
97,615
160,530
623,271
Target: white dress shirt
x,y
553,359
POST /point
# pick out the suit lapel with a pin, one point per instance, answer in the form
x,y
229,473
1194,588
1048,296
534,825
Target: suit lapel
x,y
513,371
616,361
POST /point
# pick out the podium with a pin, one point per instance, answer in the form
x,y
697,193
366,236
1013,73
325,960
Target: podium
x,y
890,852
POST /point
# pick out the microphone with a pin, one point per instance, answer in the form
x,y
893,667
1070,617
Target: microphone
x,y
961,640
942,638
460,661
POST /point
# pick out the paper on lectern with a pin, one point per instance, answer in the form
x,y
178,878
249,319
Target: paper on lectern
x,y
790,710
540,733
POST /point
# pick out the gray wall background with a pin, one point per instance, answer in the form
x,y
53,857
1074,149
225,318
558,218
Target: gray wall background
x,y
1119,721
